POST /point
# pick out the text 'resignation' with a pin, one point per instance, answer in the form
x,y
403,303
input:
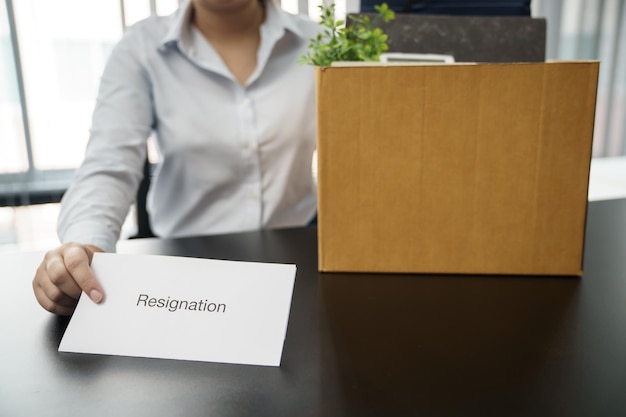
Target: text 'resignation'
x,y
172,304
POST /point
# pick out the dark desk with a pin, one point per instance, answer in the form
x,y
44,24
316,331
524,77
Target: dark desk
x,y
357,345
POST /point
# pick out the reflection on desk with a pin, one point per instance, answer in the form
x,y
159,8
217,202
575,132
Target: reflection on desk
x,y
357,344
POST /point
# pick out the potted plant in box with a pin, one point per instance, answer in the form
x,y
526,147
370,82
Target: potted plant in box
x,y
361,40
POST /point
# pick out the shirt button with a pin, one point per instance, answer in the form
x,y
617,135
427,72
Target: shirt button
x,y
245,102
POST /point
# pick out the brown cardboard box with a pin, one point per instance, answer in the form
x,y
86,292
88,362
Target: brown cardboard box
x,y
455,168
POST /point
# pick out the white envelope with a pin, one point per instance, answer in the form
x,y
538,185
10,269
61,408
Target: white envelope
x,y
185,308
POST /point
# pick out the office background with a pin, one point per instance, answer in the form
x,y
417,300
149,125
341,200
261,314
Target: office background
x,y
52,54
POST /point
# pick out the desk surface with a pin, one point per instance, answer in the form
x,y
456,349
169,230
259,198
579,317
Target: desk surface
x,y
357,344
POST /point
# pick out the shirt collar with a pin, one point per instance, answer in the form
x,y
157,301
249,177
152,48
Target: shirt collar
x,y
276,19
281,20
178,26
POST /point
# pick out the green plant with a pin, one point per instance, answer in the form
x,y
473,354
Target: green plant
x,y
361,40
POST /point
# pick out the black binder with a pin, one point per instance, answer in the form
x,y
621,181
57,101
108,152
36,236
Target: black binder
x,y
453,7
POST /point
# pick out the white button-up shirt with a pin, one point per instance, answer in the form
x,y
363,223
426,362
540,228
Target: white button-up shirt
x,y
231,157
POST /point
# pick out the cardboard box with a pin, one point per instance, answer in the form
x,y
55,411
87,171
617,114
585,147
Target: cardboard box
x,y
461,168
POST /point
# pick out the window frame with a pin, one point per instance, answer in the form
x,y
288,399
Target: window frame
x,y
37,186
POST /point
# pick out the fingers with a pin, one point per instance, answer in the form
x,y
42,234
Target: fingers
x,y
58,304
58,276
76,260
63,275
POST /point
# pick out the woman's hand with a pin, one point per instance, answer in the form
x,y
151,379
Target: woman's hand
x,y
63,274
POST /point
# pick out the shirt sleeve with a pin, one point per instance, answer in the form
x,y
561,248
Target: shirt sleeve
x,y
96,204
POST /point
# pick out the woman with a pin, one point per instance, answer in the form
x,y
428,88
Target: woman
x,y
233,118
